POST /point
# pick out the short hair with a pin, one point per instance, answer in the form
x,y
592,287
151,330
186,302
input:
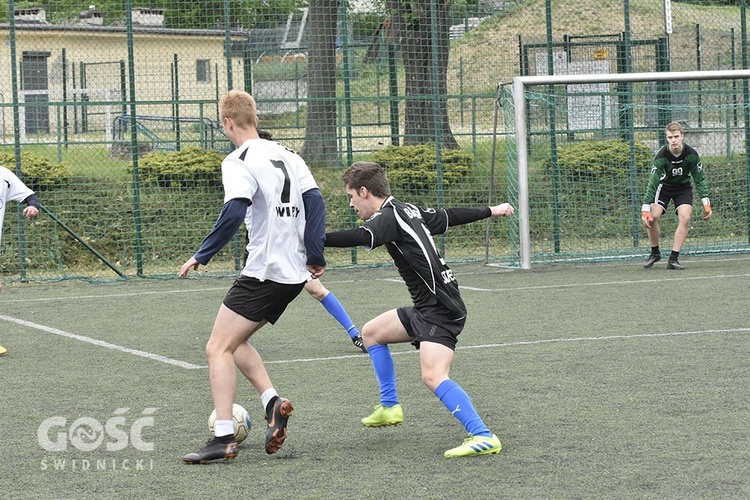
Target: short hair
x,y
674,127
240,107
367,174
265,134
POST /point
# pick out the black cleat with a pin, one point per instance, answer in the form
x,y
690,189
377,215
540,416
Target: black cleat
x,y
215,449
673,264
358,342
276,418
652,259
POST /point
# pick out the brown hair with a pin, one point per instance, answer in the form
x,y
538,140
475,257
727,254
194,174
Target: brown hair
x,y
367,174
240,107
674,127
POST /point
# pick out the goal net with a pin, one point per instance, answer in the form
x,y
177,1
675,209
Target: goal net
x,y
580,148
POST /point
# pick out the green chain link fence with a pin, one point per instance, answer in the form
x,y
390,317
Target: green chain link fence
x,y
105,92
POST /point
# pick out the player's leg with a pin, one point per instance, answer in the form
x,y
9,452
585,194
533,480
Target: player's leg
x,y
684,212
229,331
332,304
377,334
654,232
481,441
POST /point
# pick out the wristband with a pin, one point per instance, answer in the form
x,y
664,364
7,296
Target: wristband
x,y
705,201
646,208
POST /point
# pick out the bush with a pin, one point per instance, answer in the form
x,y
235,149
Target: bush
x,y
187,168
413,169
590,160
38,172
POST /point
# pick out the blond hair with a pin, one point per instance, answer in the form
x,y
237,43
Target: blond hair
x,y
240,107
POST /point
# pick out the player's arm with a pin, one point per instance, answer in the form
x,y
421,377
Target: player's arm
x,y
699,178
650,196
349,238
231,217
459,215
315,230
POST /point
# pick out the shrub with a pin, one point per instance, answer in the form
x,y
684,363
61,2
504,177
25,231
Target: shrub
x,y
413,169
187,168
38,172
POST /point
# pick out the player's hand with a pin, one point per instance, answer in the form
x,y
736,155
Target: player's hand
x,y
504,209
30,212
316,271
191,263
646,216
707,211
647,219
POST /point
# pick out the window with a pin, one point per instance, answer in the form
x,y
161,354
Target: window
x,y
203,71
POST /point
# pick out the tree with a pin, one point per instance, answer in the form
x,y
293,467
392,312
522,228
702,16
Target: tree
x,y
320,130
426,68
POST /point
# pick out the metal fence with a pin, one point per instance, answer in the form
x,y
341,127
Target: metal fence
x,y
98,90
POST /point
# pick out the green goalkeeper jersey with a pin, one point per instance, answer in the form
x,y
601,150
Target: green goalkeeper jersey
x,y
676,171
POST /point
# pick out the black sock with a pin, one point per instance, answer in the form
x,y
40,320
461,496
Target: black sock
x,y
225,439
655,251
270,404
673,256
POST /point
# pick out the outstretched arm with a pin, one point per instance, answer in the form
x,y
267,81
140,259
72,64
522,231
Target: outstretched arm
x,y
458,216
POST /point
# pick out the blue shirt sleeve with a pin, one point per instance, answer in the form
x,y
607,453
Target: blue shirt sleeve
x,y
231,217
315,226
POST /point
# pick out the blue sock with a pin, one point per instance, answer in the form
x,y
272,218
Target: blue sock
x,y
459,404
335,309
385,371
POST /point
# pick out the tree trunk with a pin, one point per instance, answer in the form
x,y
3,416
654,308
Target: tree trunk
x,y
320,146
426,108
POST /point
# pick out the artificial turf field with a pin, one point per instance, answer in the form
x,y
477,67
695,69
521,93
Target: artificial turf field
x,y
601,380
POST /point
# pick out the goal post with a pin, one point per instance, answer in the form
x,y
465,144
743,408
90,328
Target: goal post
x,y
639,120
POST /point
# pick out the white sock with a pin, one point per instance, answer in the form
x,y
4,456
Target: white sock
x,y
223,428
267,396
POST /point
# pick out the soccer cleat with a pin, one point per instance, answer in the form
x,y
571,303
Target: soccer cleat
x,y
215,448
652,259
475,445
3,350
384,415
277,418
358,342
673,264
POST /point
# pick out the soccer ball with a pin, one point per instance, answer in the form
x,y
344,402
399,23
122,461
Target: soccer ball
x,y
241,422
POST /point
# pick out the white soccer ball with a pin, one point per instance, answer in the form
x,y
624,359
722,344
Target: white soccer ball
x,y
241,422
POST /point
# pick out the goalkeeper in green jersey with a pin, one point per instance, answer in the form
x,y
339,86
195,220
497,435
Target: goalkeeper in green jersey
x,y
675,165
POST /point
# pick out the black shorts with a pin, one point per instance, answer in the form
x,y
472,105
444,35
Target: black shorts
x,y
258,300
681,195
439,329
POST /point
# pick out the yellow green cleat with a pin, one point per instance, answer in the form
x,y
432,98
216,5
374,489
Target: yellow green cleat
x,y
384,415
475,445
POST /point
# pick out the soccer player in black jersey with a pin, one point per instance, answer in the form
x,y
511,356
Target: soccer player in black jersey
x,y
438,313
674,166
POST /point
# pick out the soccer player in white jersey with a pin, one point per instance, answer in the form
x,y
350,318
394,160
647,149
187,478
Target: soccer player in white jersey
x,y
271,190
438,313
13,189
327,298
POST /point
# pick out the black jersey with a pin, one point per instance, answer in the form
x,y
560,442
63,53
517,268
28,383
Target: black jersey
x,y
406,231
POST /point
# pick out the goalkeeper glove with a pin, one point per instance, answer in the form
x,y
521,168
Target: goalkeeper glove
x,y
646,216
706,208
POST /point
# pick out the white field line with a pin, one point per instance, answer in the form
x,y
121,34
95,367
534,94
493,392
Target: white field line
x,y
389,280
534,342
604,283
101,343
190,366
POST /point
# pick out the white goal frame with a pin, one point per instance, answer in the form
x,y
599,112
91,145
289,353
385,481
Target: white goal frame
x,y
519,100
